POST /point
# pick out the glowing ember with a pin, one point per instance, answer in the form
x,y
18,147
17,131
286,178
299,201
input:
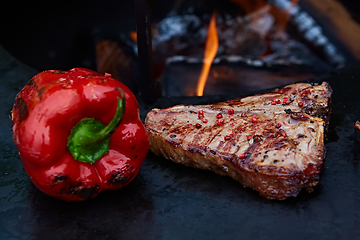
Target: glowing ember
x,y
211,47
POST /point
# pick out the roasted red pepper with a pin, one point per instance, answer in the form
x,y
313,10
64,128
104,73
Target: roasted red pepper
x,y
78,133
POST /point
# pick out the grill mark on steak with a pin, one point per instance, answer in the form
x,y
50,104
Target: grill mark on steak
x,y
277,154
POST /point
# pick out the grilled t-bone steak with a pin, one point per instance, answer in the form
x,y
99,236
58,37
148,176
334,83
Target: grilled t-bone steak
x,y
273,142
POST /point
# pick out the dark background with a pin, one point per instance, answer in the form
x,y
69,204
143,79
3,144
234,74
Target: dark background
x,y
166,200
60,34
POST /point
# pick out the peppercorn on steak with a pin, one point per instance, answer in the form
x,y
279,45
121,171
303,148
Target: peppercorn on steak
x,y
273,142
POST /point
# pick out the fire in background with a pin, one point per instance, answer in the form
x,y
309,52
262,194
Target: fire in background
x,y
261,44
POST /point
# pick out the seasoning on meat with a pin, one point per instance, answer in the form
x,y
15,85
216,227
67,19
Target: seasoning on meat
x,y
357,125
275,147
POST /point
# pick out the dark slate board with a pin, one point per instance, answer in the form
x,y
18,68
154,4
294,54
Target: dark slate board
x,y
170,201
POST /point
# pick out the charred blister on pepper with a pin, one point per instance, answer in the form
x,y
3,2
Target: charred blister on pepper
x,y
120,178
72,188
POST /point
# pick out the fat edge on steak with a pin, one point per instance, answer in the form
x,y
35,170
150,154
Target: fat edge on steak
x,y
273,142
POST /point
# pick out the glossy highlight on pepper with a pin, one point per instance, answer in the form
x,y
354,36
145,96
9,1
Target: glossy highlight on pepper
x,y
47,112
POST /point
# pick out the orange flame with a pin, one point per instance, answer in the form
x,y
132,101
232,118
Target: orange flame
x,y
133,35
211,47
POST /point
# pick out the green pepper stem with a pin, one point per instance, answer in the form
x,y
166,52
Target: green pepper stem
x,y
89,140
112,126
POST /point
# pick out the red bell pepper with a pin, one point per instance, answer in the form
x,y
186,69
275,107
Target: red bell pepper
x,y
78,133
